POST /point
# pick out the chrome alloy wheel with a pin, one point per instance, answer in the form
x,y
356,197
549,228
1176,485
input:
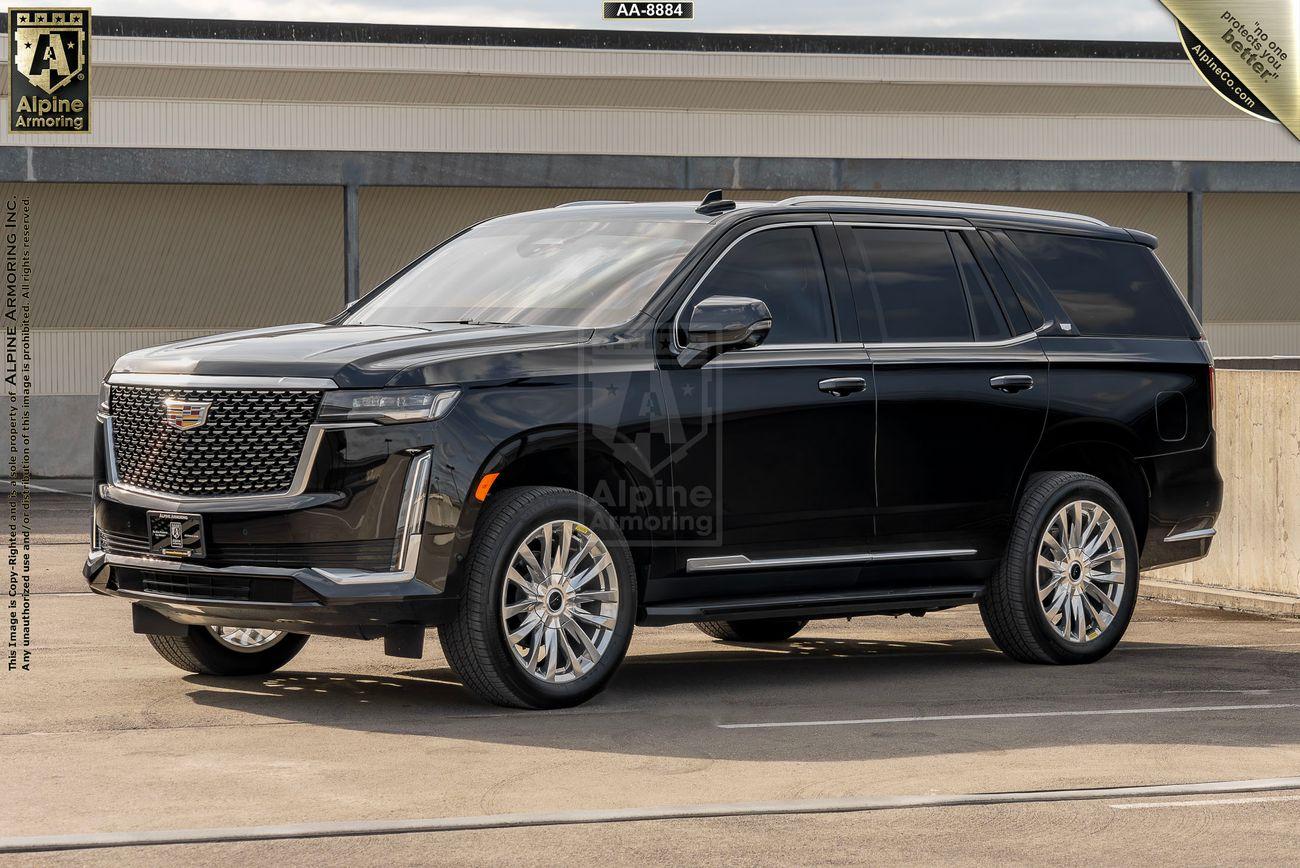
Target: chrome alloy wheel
x,y
246,640
559,602
1080,571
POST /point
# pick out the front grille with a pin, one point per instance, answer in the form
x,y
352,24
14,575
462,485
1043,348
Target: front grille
x,y
366,554
245,589
250,443
122,543
207,588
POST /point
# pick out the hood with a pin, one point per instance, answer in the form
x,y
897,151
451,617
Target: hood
x,y
365,356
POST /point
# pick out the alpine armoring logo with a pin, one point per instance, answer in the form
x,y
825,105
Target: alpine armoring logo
x,y
49,70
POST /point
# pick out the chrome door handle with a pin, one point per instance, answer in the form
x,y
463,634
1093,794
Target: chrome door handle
x,y
1012,383
841,386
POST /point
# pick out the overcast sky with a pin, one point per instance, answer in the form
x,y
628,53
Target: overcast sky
x,y
1089,19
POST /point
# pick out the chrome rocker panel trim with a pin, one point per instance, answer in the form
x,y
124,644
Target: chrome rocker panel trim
x,y
741,562
1186,535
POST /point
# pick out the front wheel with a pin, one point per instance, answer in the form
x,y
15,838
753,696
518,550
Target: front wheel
x,y
229,650
549,599
1067,585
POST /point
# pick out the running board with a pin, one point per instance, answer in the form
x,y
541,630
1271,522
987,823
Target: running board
x,y
826,605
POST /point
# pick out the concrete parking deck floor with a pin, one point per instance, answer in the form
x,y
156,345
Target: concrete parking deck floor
x,y
106,737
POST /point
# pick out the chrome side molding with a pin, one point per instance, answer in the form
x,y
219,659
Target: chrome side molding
x,y
741,562
410,524
1204,533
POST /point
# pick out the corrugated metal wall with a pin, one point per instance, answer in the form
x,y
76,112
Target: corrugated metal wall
x,y
73,361
1252,259
179,256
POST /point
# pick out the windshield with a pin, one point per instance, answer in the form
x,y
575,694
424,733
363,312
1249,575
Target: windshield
x,y
541,268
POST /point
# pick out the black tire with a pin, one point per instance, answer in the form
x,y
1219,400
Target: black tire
x,y
1010,608
200,652
475,642
758,630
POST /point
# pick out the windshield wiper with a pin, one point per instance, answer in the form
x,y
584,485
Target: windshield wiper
x,y
473,322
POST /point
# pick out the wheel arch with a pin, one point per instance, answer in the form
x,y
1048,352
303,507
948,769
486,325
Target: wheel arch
x,y
605,465
1109,461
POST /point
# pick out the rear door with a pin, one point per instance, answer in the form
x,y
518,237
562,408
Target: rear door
x,y
961,387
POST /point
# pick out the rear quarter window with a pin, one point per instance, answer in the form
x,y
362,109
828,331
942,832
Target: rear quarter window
x,y
1107,288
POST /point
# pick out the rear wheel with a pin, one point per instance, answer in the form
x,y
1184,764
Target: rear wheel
x,y
549,600
229,650
757,630
1066,588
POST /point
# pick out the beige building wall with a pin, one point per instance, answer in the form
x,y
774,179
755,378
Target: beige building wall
x,y
236,93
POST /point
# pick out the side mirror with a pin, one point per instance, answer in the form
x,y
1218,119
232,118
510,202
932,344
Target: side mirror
x,y
726,322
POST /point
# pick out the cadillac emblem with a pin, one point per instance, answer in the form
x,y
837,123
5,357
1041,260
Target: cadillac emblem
x,y
185,415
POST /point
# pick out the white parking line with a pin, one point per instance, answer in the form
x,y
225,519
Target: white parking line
x,y
354,828
1202,803
1092,712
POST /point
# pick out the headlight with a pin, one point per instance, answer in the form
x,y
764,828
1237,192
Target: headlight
x,y
387,406
104,392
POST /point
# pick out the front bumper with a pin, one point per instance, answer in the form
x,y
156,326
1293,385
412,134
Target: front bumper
x,y
308,600
367,543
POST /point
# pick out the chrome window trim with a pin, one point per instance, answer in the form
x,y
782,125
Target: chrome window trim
x,y
1185,536
196,381
878,225
1004,342
742,562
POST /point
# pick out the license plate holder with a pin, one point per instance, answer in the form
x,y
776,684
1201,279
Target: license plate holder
x,y
176,534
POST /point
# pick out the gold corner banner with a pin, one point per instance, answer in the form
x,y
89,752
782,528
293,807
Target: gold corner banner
x,y
1246,50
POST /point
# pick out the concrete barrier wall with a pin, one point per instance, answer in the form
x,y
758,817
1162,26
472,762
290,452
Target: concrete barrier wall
x,y
1254,563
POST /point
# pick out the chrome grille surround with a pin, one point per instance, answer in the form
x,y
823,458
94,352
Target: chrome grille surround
x,y
251,442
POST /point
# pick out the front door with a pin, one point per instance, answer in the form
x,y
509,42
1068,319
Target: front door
x,y
961,389
774,445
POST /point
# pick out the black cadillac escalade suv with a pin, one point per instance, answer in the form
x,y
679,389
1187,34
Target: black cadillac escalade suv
x,y
560,424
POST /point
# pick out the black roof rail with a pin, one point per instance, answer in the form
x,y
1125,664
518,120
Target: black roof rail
x,y
595,202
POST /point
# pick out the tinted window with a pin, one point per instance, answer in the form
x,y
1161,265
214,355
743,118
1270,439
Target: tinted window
x,y
539,268
782,267
990,324
915,285
1112,288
